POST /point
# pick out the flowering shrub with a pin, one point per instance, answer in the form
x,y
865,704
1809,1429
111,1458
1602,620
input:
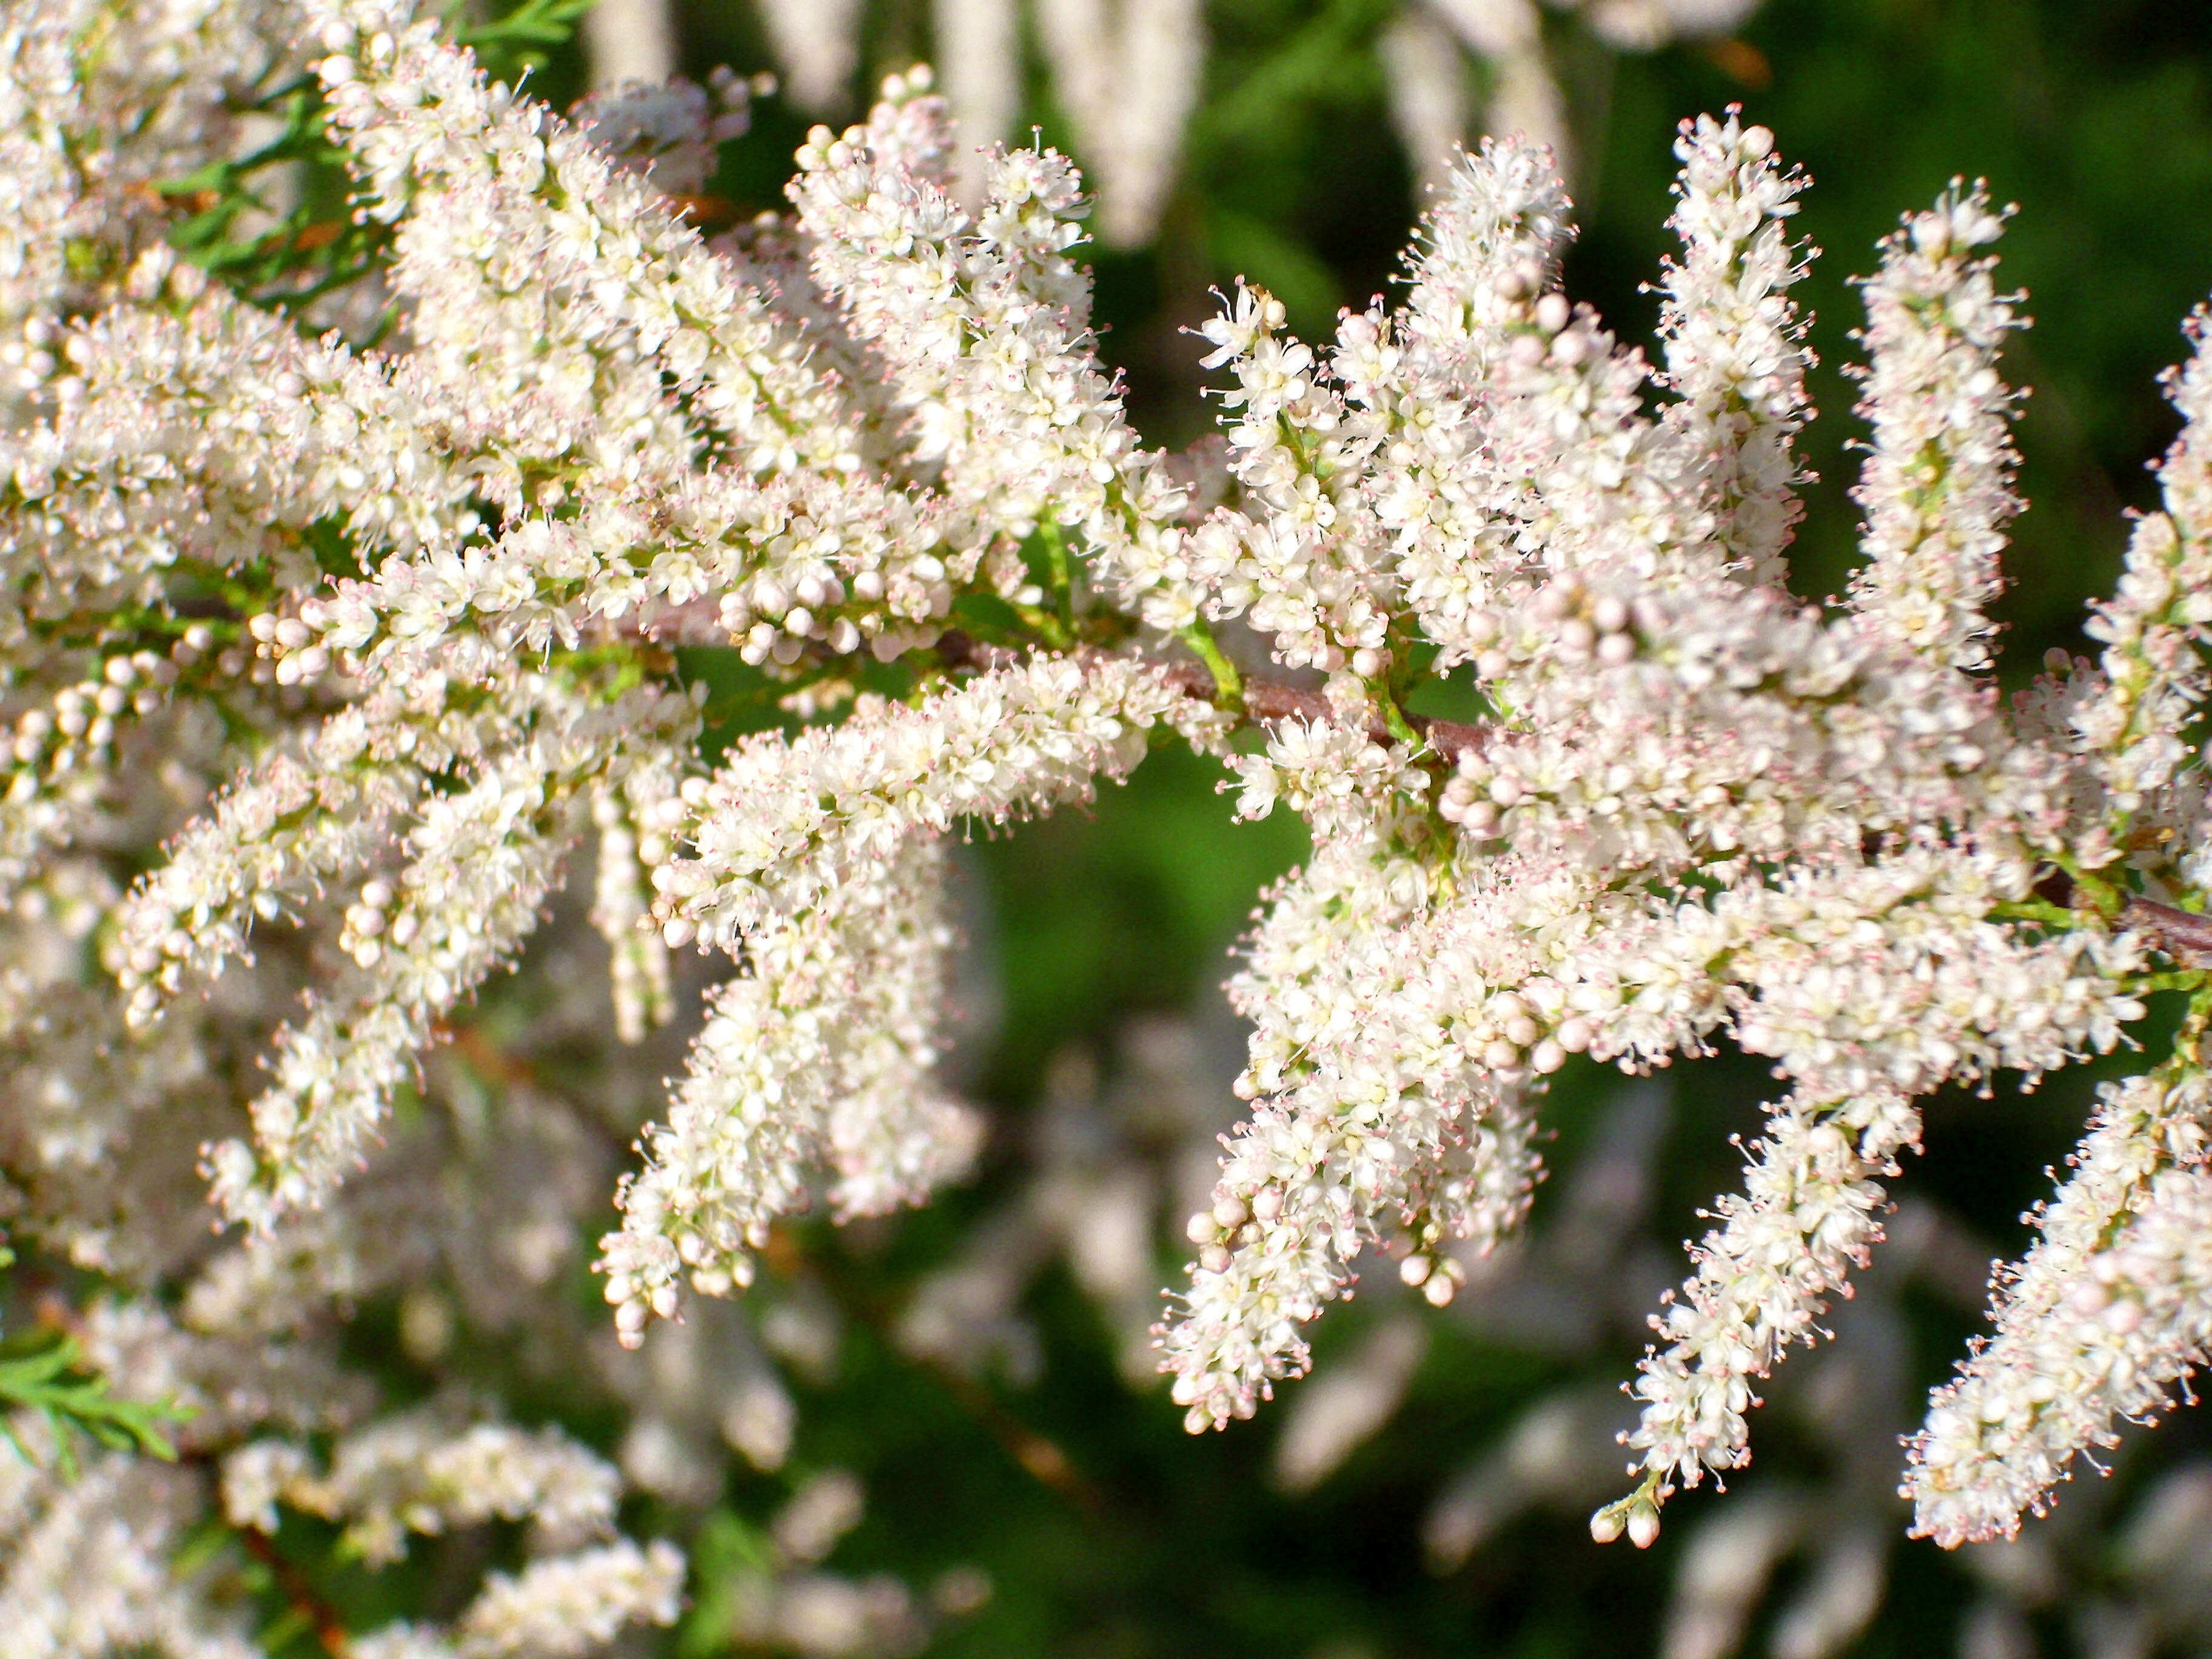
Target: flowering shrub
x,y
359,568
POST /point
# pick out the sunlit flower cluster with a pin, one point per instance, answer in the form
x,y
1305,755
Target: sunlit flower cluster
x,y
772,564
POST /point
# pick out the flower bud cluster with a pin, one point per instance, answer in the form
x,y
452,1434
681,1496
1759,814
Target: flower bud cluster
x,y
82,154
88,1558
58,757
424,1473
567,1606
2156,621
1860,980
1395,1038
420,117
1735,340
817,1060
1807,1216
2106,1313
815,860
1697,725
669,132
472,868
980,332
780,823
190,430
1488,248
638,958
1937,490
1306,561
317,808
1333,775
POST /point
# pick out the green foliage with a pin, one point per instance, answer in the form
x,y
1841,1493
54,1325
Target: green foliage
x,y
724,1553
229,225
48,1376
232,232
513,43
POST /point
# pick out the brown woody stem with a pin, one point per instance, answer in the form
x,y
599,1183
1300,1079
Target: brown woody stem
x,y
318,1614
2182,934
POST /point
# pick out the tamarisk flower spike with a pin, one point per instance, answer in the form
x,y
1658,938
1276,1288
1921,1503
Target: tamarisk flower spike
x,y
877,431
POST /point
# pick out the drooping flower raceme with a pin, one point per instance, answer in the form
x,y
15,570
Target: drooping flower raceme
x,y
774,562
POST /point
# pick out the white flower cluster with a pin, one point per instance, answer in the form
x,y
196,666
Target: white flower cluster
x,y
424,1473
1937,487
2111,1309
438,607
562,1607
1126,74
86,1568
817,863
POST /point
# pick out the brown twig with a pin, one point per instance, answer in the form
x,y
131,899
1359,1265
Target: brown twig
x,y
2185,936
2181,934
1036,1454
306,1602
1039,1456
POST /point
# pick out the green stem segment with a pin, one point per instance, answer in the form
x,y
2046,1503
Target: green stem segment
x,y
1393,718
1228,684
1063,578
2104,897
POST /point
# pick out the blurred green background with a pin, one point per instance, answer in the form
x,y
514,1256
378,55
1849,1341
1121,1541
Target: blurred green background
x,y
1104,1530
